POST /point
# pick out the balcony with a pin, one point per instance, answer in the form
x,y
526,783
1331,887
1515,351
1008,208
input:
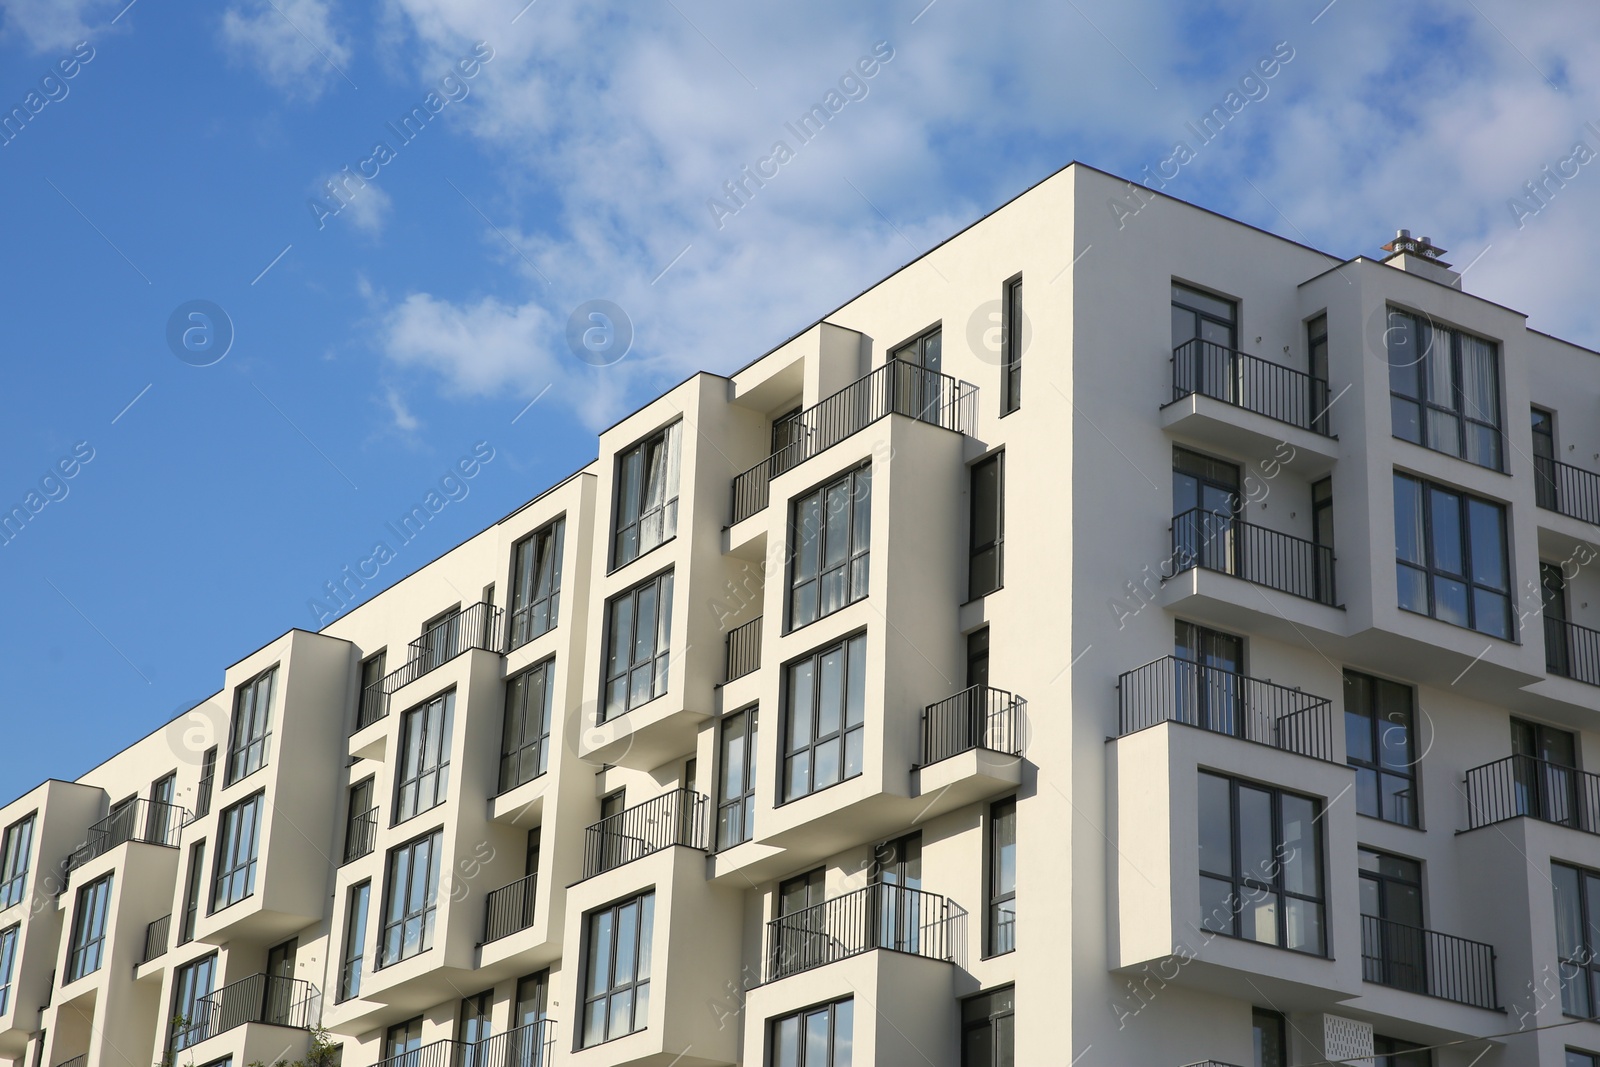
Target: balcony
x,y
509,909
1566,489
1524,786
156,937
678,817
150,822
1425,961
976,717
1219,542
1572,651
879,916
1177,690
533,1045
1281,393
896,388
744,650
260,998
475,627
363,833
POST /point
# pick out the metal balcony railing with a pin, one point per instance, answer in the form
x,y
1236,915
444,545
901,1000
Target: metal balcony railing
x,y
446,1053
1570,490
1178,690
260,998
156,937
509,908
1218,541
880,915
677,817
76,1061
533,1045
744,649
1522,785
1245,381
896,388
1571,651
976,717
476,627
150,822
1425,961
361,836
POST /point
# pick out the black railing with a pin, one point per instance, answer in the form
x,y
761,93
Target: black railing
x,y
1425,961
896,388
677,817
1539,789
260,998
877,916
476,627
151,822
156,936
1179,690
533,1045
744,649
444,1053
1567,489
509,909
1245,381
1571,651
362,835
76,1061
976,717
1218,541
374,705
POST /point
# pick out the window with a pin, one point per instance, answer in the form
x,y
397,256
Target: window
x,y
412,890
360,821
988,1029
831,531
536,583
920,395
1450,553
1260,864
826,696
355,940
532,1004
986,560
402,1039
1393,949
249,741
191,892
1269,1038
89,929
1558,649
638,643
1544,459
1317,350
647,495
1574,1059
162,820
208,777
736,806
440,641
925,350
802,942
8,961
1577,900
476,1024
237,842
1392,1052
525,737
616,995
16,850
1003,876
191,1015
1201,316
373,699
1444,389
1380,743
1013,339
815,1037
424,757
1545,775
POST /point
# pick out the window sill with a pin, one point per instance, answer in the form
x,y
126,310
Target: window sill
x,y
624,713
1513,642
652,550
815,792
231,904
1452,455
619,1037
229,784
848,604
419,813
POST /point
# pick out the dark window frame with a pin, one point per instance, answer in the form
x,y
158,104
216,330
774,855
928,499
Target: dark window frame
x,y
640,958
814,711
16,857
424,786
90,914
982,1018
843,1006
1380,727
1431,571
193,889
208,780
231,858
186,997
9,937
1000,936
1428,407
630,504
372,673
535,607
517,748
1013,344
742,802
422,918
659,659
250,730
1582,962
853,569
353,945
993,545
914,349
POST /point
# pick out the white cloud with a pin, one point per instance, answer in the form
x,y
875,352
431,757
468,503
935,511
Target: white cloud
x,y
293,43
404,420
52,25
365,205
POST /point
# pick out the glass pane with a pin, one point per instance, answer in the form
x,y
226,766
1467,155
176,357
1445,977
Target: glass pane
x,y
831,697
800,704
837,543
1367,802
1216,905
621,1013
856,693
852,752
1450,600
817,1037
1300,860
1488,544
1445,510
1489,613
1216,826
1411,588
647,925
1259,920
786,1043
808,519
843,1033
1256,858
600,942
627,942
1408,527
1304,922
1405,418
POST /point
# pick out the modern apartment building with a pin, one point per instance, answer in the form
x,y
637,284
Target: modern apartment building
x,y
1101,687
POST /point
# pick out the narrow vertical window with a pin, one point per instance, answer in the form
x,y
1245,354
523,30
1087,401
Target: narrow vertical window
x,y
412,890
208,779
16,851
1380,743
355,940
826,715
424,771
647,495
87,949
988,1029
163,820
8,961
1544,460
638,645
1013,339
360,821
374,701
536,583
736,805
1577,906
525,735
1003,876
986,540
831,532
249,740
1317,353
238,840
192,985
616,991
191,892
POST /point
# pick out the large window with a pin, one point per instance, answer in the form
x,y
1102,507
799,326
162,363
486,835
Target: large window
x,y
616,992
831,531
250,740
1002,932
1393,1052
1013,339
736,803
191,984
238,841
1260,864
815,1037
1577,899
16,849
525,737
412,890
1444,388
87,949
826,696
355,940
424,769
1380,743
647,495
192,883
1450,551
536,583
8,962
988,1029
1575,1058
987,530
638,645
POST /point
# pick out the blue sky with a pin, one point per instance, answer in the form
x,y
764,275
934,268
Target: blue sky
x,y
582,159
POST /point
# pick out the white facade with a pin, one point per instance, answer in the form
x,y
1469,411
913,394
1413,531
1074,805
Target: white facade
x,y
1113,752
